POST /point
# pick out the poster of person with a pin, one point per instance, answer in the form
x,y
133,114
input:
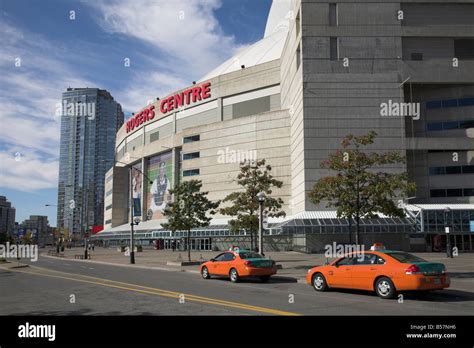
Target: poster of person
x,y
161,172
137,179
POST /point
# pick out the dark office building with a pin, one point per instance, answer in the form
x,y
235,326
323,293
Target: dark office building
x,y
7,217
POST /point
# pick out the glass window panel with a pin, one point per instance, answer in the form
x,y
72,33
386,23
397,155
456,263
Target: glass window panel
x,y
450,125
435,126
453,170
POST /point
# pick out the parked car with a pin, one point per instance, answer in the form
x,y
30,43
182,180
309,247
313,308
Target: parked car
x,y
237,264
386,272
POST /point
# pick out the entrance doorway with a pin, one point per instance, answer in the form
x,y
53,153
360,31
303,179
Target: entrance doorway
x,y
201,244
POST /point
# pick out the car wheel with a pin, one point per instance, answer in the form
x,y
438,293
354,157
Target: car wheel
x,y
319,282
205,273
384,288
265,278
233,275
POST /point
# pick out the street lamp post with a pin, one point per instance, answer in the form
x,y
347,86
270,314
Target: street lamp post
x,y
261,200
447,231
132,223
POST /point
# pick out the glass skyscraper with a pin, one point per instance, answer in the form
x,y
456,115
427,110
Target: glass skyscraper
x,y
90,119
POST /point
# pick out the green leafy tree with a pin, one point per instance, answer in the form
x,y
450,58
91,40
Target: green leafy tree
x,y
27,238
358,189
254,177
189,209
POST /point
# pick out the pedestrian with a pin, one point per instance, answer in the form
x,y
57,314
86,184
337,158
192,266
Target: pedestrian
x,y
93,246
173,245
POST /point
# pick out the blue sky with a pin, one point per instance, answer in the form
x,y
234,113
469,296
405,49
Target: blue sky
x,y
43,51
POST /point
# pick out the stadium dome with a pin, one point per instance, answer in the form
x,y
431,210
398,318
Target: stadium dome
x,y
267,49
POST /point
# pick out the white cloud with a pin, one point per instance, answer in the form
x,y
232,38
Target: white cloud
x,y
30,93
186,31
157,85
185,40
27,174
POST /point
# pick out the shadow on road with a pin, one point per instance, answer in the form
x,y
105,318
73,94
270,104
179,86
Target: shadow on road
x,y
79,312
461,274
429,296
273,280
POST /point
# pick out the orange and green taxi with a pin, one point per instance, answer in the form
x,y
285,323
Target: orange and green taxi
x,y
237,264
386,272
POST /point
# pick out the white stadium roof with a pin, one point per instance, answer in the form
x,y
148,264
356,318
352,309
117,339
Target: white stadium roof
x,y
267,49
418,207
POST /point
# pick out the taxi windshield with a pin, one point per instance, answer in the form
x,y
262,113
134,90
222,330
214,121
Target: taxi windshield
x,y
250,255
406,258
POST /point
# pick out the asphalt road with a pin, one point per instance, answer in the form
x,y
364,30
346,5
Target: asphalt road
x,y
45,288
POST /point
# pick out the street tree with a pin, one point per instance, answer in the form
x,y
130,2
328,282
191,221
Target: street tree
x,y
27,238
360,188
254,177
190,209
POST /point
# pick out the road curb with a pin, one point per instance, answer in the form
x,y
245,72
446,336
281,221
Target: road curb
x,y
123,265
300,281
9,265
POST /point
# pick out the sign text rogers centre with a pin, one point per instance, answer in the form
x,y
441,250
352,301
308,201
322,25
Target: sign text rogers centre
x,y
183,98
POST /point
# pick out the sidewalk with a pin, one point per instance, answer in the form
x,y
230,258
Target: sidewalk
x,y
293,264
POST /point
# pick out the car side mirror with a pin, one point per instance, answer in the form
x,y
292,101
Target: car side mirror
x,y
212,260
336,265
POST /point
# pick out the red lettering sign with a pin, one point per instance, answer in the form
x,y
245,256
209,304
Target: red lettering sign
x,y
144,116
184,98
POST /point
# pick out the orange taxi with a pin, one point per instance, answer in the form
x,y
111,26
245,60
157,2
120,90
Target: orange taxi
x,y
237,264
384,271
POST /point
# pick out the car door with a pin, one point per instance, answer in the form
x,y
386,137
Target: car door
x,y
214,266
364,271
227,263
339,274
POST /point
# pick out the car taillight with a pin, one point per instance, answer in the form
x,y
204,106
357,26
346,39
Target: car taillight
x,y
413,269
248,263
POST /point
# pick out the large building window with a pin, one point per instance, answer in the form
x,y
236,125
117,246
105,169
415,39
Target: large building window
x,y
190,155
333,48
333,15
298,57
190,172
464,48
449,103
469,192
449,125
298,24
191,139
451,170
154,136
456,192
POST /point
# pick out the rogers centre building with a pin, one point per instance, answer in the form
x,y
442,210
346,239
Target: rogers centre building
x,y
321,71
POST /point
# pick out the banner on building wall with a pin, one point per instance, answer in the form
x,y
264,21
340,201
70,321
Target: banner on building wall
x,y
137,182
160,170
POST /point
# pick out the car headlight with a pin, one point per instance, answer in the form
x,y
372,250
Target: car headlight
x,y
309,270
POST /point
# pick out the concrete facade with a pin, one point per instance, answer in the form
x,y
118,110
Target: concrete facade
x,y
340,62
